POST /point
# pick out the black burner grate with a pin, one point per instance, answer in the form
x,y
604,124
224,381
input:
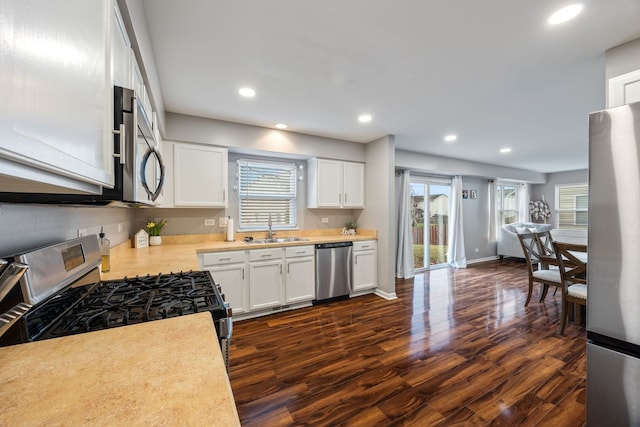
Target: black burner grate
x,y
134,300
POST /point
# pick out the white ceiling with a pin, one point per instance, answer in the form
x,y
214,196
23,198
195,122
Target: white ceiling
x,y
493,71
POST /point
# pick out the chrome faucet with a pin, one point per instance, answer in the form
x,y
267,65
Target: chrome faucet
x,y
271,232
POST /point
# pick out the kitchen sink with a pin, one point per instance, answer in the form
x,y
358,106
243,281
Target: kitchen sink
x,y
276,240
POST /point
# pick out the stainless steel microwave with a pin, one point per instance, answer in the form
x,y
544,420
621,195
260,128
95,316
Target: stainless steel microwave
x,y
138,167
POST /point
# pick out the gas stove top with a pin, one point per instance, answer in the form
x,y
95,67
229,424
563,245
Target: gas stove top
x,y
114,303
63,285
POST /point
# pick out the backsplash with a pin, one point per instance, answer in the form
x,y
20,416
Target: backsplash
x,y
25,227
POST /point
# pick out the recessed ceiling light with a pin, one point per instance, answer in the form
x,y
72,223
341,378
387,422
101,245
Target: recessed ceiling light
x,y
450,138
247,92
281,126
505,150
364,118
565,14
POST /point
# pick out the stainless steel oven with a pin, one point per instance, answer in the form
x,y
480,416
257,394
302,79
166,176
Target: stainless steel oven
x,y
64,296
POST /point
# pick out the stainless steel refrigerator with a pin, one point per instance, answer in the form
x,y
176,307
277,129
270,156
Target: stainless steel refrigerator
x,y
613,302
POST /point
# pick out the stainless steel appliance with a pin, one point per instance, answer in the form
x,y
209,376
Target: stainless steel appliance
x,y
613,301
63,285
138,167
333,271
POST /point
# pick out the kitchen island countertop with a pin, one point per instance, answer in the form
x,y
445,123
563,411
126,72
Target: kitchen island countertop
x,y
167,372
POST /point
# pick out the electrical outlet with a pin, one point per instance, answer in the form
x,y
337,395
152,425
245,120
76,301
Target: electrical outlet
x,y
82,232
325,220
120,227
210,222
222,221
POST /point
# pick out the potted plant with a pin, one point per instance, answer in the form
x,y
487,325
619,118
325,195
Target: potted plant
x,y
350,228
154,227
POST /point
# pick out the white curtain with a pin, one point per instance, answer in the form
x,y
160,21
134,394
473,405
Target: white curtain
x,y
455,253
493,211
523,202
404,251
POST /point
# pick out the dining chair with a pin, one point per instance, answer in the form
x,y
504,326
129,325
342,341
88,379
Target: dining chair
x,y
539,271
545,242
573,270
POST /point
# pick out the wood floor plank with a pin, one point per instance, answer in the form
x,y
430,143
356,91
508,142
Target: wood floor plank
x,y
457,347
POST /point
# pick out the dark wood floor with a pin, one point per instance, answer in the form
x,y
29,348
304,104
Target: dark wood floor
x,y
458,347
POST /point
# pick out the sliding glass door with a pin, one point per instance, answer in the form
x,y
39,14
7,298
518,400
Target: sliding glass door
x,y
429,217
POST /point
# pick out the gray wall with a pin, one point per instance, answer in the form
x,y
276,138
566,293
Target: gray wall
x,y
25,227
256,140
548,190
475,216
426,163
380,212
621,60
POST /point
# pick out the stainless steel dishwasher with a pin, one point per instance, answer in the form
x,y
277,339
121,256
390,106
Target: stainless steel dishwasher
x,y
333,271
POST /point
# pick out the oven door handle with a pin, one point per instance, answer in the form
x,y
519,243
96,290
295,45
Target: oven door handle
x,y
10,317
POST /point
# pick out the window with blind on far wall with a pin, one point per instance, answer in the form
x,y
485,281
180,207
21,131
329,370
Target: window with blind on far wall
x,y
572,206
266,188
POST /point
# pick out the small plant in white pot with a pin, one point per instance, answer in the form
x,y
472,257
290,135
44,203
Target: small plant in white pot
x,y
350,228
155,228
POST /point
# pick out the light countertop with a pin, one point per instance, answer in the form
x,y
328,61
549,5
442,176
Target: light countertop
x,y
166,372
179,253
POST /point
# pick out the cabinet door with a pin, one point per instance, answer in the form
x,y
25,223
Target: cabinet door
x,y
199,175
624,89
364,270
56,95
353,185
120,52
230,277
300,281
265,284
329,183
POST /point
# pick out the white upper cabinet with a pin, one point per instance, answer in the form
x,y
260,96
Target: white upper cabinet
x,y
199,175
624,89
353,185
120,52
56,96
335,184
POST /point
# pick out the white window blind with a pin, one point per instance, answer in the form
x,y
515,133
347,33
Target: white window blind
x,y
572,206
266,189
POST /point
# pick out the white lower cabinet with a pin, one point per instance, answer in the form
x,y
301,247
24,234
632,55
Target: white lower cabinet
x,y
228,271
265,278
364,265
301,274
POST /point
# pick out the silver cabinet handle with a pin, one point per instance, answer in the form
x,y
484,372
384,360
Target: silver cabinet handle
x,y
345,197
225,259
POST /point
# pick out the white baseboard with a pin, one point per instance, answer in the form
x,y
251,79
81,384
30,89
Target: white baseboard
x,y
386,295
486,259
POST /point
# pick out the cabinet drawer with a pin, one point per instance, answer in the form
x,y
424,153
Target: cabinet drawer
x,y
365,245
295,251
217,258
265,254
